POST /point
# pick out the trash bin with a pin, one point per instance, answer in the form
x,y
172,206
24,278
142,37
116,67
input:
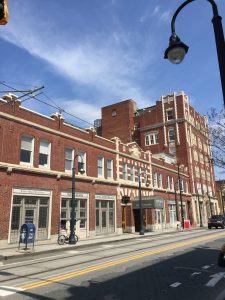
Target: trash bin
x,y
27,234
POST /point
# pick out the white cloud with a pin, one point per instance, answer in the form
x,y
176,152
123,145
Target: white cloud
x,y
108,64
162,16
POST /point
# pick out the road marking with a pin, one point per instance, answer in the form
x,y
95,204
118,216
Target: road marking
x,y
175,284
72,252
61,277
8,290
205,267
196,273
107,246
215,279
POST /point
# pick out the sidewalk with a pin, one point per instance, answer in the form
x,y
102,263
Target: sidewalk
x,y
48,246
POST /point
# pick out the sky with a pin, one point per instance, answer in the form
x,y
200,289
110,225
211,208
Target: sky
x,y
91,53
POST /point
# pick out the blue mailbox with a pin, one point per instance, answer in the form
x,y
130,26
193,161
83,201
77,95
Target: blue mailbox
x,y
27,234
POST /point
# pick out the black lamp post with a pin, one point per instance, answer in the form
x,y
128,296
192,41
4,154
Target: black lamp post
x,y
200,211
177,50
175,193
141,231
181,199
222,195
72,239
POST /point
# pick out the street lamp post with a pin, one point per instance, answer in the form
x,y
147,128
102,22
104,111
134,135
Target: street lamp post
x,y
181,199
175,193
222,196
177,50
72,239
200,211
141,231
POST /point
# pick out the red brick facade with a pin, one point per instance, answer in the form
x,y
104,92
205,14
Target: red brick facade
x,y
108,193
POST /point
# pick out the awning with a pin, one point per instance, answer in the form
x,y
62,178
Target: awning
x,y
149,202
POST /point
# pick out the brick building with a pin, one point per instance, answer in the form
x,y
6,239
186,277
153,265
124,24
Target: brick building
x,y
170,128
136,154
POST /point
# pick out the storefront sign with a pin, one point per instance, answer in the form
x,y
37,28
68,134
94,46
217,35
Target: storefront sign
x,y
149,202
105,197
77,195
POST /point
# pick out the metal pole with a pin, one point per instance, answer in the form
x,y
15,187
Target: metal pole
x,y
181,200
72,239
221,195
140,205
219,38
200,212
210,206
176,204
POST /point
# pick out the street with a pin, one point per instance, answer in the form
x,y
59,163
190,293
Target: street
x,y
170,266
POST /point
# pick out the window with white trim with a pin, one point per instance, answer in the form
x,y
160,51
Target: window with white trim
x,y
160,180
69,154
132,173
151,138
171,134
100,166
170,114
124,171
26,149
44,154
155,182
109,168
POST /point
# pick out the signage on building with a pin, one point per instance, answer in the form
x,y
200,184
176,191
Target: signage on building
x,y
105,197
149,202
77,195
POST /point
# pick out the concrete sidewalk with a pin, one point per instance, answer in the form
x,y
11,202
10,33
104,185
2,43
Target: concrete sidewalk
x,y
41,247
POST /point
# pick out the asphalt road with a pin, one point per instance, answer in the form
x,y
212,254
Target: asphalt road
x,y
181,265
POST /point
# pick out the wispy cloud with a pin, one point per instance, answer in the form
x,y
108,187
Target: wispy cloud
x,y
157,12
108,64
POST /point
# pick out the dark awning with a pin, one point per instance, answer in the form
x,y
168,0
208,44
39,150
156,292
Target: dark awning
x,y
149,202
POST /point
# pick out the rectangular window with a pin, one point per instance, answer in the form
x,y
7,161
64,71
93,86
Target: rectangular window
x,y
160,180
155,179
109,168
100,166
171,134
69,154
168,182
169,114
124,170
44,153
151,139
132,176
26,149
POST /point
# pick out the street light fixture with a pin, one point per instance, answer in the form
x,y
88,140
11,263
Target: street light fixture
x,y
72,239
177,49
142,231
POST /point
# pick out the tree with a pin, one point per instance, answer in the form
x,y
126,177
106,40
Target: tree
x,y
217,136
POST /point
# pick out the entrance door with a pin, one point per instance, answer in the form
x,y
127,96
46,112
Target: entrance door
x,y
29,216
105,217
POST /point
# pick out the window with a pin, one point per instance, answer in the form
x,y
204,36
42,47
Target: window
x,y
44,153
169,114
26,149
151,138
100,166
160,180
155,179
124,170
132,175
69,153
168,183
171,134
201,158
197,172
109,168
82,160
195,153
172,184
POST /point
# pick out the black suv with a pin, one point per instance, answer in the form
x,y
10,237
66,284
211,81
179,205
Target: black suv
x,y
216,221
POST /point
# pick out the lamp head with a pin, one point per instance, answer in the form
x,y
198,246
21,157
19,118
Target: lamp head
x,y
81,168
176,50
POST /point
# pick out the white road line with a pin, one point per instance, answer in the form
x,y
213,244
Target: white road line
x,y
107,246
175,284
205,267
72,252
215,279
8,290
196,273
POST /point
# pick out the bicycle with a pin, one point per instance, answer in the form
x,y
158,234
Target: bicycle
x,y
64,239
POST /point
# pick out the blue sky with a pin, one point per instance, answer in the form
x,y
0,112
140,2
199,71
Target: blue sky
x,y
91,53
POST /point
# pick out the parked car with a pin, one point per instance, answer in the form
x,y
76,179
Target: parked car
x,y
216,221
